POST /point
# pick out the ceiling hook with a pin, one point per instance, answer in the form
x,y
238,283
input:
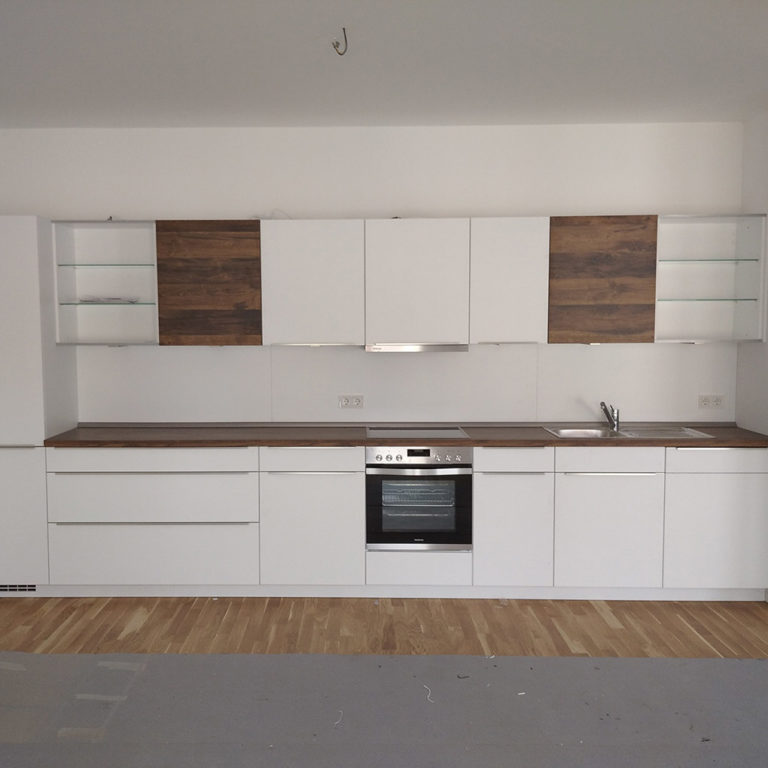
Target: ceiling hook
x,y
337,45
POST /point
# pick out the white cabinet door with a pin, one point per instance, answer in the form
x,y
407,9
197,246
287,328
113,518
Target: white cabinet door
x,y
417,281
513,526
312,527
313,282
21,379
509,268
24,537
716,531
609,529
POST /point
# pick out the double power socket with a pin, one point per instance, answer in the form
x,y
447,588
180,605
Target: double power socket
x,y
711,401
351,401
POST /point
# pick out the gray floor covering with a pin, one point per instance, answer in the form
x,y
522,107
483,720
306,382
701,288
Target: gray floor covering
x,y
236,711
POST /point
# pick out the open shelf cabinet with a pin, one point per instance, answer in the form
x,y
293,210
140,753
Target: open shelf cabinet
x,y
106,282
710,278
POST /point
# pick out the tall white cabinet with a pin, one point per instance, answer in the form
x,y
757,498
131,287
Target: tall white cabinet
x,y
417,281
37,395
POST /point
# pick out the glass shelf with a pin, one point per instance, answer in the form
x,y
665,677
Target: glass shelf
x,y
72,265
709,261
707,300
107,303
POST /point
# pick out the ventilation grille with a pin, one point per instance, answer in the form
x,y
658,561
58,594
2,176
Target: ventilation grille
x,y
18,587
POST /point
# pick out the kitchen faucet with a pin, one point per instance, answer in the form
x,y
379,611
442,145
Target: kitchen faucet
x,y
612,414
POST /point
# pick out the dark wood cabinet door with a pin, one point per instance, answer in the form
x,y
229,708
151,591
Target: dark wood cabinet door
x,y
602,279
209,282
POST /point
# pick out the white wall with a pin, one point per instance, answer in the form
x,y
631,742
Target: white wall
x,y
375,172
752,376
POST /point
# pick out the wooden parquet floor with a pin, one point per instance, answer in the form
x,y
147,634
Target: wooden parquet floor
x,y
385,626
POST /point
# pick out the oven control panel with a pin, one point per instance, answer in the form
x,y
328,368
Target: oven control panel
x,y
389,455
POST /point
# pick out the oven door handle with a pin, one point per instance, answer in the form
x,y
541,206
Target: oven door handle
x,y
416,472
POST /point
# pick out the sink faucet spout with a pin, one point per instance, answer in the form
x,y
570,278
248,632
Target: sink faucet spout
x,y
612,414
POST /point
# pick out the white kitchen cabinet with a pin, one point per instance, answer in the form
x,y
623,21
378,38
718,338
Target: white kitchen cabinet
x,y
417,281
106,282
23,537
312,512
513,516
609,517
509,268
37,385
709,278
153,515
313,282
716,522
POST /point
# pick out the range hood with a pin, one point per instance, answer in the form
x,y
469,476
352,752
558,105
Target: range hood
x,y
417,347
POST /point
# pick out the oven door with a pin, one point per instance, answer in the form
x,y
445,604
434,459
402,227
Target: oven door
x,y
419,508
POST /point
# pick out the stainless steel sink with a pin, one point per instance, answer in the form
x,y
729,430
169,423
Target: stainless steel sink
x,y
584,432
661,433
649,433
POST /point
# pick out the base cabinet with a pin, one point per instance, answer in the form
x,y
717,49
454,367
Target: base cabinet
x,y
23,543
312,516
513,517
716,524
143,516
609,517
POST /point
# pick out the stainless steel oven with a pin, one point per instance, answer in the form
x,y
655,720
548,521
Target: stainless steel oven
x,y
418,498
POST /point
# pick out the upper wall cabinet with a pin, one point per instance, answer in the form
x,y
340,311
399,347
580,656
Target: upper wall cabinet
x,y
509,280
106,282
313,282
417,281
709,278
209,282
602,279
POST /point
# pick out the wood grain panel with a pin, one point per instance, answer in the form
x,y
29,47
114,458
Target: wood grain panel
x,y
602,279
209,282
385,626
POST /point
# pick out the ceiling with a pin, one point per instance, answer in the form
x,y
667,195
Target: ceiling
x,y
155,63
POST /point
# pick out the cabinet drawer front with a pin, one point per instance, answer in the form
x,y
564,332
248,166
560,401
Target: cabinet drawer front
x,y
153,498
313,459
153,459
427,568
514,459
609,459
154,554
717,460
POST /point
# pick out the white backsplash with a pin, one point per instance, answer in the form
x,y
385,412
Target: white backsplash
x,y
522,382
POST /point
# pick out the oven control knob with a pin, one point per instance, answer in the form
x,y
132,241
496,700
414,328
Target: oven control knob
x,y
457,457
389,457
447,457
437,458
379,457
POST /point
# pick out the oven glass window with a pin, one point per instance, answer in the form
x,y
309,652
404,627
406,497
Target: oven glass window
x,y
418,505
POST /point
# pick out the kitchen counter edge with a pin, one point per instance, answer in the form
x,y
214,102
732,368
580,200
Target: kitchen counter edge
x,y
485,434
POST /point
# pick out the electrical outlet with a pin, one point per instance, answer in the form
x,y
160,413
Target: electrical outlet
x,y
711,401
351,401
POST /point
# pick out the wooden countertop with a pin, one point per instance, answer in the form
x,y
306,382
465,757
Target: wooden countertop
x,y
213,435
